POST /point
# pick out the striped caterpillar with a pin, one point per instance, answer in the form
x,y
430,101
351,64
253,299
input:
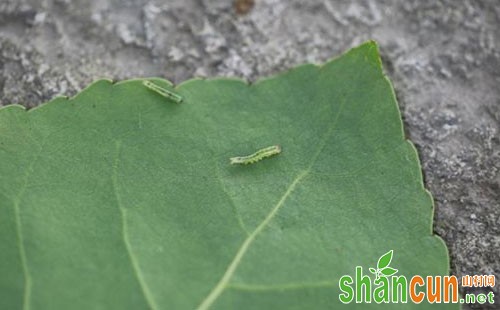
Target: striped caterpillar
x,y
162,91
257,156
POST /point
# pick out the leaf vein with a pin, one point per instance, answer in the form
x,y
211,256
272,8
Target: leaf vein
x,y
280,287
220,286
128,246
237,214
19,231
22,255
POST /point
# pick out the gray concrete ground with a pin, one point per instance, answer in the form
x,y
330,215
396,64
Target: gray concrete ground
x,y
443,57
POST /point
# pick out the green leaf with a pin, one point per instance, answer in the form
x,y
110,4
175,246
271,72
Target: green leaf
x,y
384,260
388,271
119,198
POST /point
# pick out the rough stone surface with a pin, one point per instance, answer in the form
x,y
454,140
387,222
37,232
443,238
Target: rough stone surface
x,y
442,56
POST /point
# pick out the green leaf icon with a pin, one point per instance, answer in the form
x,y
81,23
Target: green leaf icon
x,y
384,260
388,271
372,270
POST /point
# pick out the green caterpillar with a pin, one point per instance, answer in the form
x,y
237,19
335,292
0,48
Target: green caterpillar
x,y
162,91
257,156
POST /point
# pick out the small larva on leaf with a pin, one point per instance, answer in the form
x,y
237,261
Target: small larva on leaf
x,y
162,91
257,156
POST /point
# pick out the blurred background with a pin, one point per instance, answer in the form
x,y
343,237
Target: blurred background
x,y
443,57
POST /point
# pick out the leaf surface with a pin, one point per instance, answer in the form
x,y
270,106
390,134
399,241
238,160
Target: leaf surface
x,y
120,199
